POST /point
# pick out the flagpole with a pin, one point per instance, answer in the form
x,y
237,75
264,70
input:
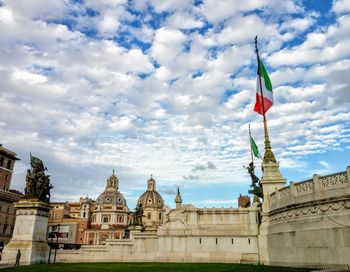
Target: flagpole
x,y
250,143
268,156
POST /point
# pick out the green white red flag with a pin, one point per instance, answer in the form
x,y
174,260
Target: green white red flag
x,y
264,96
254,148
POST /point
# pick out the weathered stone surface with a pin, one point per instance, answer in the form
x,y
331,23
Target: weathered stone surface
x,y
308,223
29,234
188,234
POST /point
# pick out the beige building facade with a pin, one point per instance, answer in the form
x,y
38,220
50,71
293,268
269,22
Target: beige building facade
x,y
91,221
7,195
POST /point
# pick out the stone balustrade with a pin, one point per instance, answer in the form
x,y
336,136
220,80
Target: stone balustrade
x,y
317,188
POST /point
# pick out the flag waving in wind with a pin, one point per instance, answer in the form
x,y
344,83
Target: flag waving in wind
x,y
264,97
254,148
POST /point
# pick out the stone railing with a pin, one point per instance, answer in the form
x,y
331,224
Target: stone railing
x,y
319,187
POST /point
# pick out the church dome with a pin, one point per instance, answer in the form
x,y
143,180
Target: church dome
x,y
151,198
111,195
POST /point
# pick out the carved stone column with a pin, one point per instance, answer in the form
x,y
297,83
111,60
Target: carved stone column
x,y
30,233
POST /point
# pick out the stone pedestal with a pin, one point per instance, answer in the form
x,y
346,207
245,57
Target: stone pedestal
x,y
272,180
30,233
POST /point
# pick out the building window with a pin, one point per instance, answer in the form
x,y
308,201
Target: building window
x,y
84,214
216,241
248,240
232,241
149,215
8,166
4,187
160,216
200,240
105,219
4,229
6,177
1,161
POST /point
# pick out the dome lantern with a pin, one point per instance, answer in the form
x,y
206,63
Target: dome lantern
x,y
151,184
112,182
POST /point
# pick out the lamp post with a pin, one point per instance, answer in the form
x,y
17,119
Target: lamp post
x,y
51,235
57,233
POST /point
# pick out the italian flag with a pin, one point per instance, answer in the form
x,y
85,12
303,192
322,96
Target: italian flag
x,y
254,148
263,95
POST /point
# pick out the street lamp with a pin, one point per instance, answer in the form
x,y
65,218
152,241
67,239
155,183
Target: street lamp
x,y
57,233
52,234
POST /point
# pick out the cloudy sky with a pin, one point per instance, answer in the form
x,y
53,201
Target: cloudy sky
x,y
168,88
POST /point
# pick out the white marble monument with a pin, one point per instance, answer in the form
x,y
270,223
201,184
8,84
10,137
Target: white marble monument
x,y
29,235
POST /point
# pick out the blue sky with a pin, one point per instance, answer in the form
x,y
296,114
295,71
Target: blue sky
x,y
167,88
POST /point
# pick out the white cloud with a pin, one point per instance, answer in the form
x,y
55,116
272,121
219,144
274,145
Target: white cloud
x,y
87,97
341,6
27,77
167,45
334,48
220,10
183,21
243,29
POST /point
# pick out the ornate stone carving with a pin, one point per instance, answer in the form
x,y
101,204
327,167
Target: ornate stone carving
x,y
32,212
334,180
304,186
285,192
311,210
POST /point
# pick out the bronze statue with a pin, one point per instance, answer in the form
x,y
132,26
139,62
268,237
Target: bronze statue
x,y
257,189
138,215
38,184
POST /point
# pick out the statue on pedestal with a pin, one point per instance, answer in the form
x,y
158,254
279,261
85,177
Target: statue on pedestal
x,y
38,184
257,188
138,215
32,213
